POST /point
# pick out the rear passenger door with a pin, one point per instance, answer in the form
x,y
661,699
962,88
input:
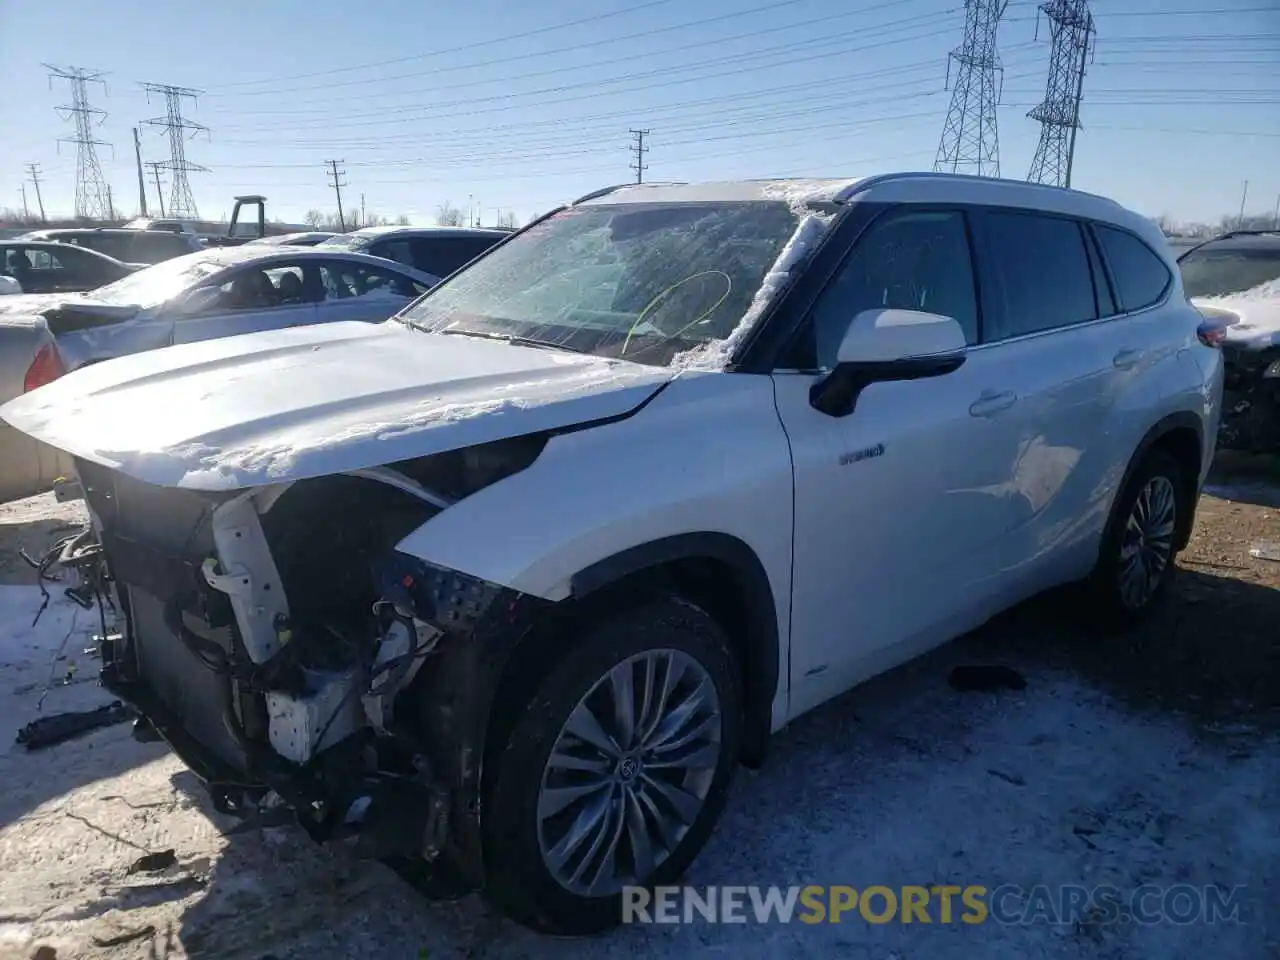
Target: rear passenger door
x,y
1054,329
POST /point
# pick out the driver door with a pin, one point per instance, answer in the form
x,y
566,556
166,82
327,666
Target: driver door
x,y
900,507
252,300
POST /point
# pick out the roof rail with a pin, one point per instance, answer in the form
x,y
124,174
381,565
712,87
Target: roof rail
x,y
859,185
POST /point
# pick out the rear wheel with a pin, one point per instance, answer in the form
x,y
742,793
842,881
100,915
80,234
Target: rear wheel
x,y
1136,560
617,770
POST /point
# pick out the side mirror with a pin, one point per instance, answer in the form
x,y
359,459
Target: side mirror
x,y
199,300
884,345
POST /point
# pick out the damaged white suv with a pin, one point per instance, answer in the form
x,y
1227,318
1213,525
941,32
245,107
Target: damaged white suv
x,y
503,589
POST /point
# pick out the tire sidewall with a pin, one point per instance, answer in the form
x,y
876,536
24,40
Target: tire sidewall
x,y
1107,575
518,879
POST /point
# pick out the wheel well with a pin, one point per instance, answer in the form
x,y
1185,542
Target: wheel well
x,y
1184,444
718,586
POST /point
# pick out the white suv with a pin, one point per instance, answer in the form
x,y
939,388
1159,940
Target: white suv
x,y
502,590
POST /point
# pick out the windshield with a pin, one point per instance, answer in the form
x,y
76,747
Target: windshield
x,y
154,285
639,281
1230,266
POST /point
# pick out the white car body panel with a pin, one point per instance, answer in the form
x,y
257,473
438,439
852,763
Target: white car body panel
x,y
290,404
936,504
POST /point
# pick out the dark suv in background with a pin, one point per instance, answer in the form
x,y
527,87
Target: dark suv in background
x,y
130,246
438,251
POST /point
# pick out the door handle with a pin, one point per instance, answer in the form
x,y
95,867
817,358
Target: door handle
x,y
992,402
1126,358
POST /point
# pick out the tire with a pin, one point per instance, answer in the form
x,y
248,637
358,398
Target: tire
x,y
1159,479
663,631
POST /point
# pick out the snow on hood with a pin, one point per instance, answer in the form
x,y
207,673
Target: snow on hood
x,y
1252,316
309,401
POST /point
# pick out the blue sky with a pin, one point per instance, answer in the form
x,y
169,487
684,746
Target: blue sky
x,y
514,107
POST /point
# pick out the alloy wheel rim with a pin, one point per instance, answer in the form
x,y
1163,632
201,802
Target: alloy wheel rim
x,y
629,772
1147,545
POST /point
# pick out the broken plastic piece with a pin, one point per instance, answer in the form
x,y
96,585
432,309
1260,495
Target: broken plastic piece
x,y
1266,550
48,731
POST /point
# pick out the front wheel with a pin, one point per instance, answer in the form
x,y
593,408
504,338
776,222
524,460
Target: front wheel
x,y
1136,560
617,770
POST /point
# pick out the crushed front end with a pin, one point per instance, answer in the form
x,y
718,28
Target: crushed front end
x,y
298,664
1250,399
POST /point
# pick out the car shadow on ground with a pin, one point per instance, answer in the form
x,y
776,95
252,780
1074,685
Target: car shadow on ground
x,y
274,894
1245,478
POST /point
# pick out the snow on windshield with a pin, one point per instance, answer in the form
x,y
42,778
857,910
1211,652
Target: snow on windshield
x,y
638,281
154,285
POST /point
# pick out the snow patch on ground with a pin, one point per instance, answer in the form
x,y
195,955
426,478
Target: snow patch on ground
x,y
902,782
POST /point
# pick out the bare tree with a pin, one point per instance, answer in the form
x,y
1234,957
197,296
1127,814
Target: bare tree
x,y
402,220
447,215
314,219
507,221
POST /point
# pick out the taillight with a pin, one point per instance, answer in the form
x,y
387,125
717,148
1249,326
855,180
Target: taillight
x,y
1211,332
45,368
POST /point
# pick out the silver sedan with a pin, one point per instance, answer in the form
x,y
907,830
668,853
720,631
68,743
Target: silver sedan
x,y
214,293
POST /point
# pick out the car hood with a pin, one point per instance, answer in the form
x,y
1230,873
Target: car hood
x,y
1252,317
309,401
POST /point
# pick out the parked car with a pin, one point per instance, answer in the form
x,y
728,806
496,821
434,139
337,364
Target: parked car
x,y
129,246
42,266
308,239
509,585
167,225
437,250
1236,278
216,293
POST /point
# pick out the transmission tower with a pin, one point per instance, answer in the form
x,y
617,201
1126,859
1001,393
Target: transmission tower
x,y
640,149
182,203
1071,31
970,142
92,201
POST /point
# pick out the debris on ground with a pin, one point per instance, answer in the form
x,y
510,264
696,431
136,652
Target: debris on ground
x,y
154,862
60,727
1266,550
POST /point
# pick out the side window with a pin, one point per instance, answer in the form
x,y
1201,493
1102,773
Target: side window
x,y
440,256
397,250
345,281
43,260
909,261
252,289
1044,271
1140,275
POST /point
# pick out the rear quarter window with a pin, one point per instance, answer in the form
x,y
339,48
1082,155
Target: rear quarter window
x,y
1141,279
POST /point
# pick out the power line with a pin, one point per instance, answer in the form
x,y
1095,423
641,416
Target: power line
x,y
92,201
182,202
33,170
639,148
468,46
1072,34
594,89
338,183
970,139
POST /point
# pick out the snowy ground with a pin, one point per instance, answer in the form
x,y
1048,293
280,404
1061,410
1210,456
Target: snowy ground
x,y
1114,769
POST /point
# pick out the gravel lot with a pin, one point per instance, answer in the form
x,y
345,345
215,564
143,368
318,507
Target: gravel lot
x,y
1149,760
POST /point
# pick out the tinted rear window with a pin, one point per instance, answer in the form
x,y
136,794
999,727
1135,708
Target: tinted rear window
x,y
1140,276
443,255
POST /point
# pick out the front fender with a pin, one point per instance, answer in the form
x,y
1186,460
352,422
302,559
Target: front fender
x,y
707,456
